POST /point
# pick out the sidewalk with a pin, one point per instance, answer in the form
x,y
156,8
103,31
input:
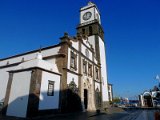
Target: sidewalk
x,y
68,116
112,113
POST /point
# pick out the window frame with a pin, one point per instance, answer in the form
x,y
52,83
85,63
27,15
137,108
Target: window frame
x,y
90,70
73,61
84,66
51,85
97,73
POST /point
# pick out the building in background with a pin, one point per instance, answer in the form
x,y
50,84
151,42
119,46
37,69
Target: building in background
x,y
110,92
70,76
150,98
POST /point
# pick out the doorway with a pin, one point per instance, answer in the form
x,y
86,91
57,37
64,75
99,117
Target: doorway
x,y
85,98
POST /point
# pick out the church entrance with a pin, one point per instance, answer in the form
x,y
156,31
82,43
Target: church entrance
x,y
85,98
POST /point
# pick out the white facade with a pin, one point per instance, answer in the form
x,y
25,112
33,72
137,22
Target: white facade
x,y
73,60
49,102
94,13
18,100
4,75
103,70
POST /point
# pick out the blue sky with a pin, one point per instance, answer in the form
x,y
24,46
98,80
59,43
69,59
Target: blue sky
x,y
132,35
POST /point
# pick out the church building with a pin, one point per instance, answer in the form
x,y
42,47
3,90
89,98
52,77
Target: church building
x,y
67,77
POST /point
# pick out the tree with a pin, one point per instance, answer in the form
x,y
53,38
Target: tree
x,y
116,100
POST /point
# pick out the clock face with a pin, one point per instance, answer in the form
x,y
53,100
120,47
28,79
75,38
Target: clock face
x,y
87,16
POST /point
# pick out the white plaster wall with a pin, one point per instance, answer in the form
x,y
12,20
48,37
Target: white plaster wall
x,y
18,100
97,85
83,50
97,16
49,102
71,77
51,60
4,76
69,58
75,45
45,53
110,88
142,100
86,42
91,40
103,70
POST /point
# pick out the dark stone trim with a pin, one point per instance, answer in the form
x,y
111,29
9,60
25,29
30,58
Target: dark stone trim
x,y
91,49
79,52
68,70
34,92
86,25
6,100
100,77
80,71
31,52
62,63
14,71
94,13
53,56
97,81
60,94
97,48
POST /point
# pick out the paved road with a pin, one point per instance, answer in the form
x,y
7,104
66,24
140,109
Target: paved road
x,y
129,115
140,115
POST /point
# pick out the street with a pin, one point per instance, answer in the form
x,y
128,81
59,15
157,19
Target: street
x,y
133,114
129,115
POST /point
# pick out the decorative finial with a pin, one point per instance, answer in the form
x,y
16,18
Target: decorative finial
x,y
90,3
39,54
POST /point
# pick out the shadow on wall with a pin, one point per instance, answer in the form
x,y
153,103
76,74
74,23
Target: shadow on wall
x,y
73,102
29,106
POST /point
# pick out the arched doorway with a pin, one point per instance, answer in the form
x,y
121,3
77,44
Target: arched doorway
x,y
148,99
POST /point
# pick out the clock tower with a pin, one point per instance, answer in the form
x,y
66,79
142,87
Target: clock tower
x,y
90,27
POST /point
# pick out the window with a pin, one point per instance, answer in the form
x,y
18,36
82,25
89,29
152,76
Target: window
x,y
87,53
84,67
73,61
50,88
97,73
90,30
89,70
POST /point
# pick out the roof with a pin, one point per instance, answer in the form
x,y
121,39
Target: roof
x,y
49,47
38,62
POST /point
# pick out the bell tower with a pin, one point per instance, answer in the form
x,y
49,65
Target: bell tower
x,y
90,21
90,26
